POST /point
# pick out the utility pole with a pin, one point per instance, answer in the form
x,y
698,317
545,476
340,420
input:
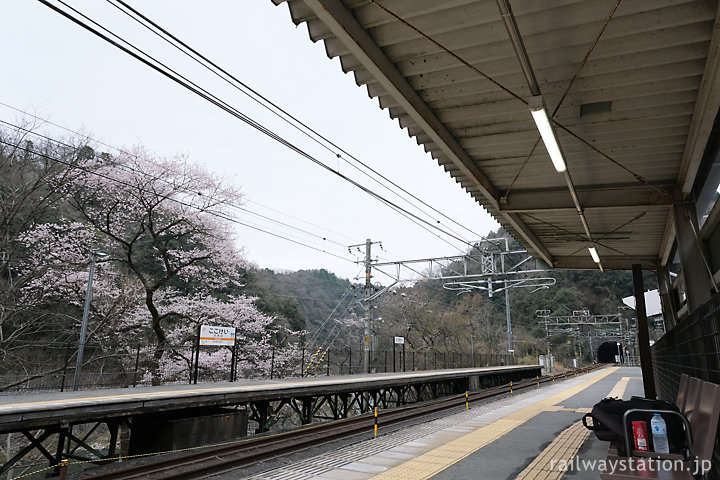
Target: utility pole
x,y
368,298
94,255
368,313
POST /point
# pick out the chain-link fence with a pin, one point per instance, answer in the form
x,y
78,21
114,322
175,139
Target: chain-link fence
x,y
53,366
34,367
350,361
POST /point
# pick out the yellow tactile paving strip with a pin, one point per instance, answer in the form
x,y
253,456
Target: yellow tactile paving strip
x,y
561,451
434,461
564,448
619,389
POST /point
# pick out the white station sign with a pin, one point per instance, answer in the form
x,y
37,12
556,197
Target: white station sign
x,y
210,335
400,340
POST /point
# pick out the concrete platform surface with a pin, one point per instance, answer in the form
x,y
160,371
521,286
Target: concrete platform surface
x,y
32,401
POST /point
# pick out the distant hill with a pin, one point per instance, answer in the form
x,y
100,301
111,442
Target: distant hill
x,y
305,297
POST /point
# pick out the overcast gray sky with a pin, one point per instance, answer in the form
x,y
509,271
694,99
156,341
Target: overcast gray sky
x,y
58,71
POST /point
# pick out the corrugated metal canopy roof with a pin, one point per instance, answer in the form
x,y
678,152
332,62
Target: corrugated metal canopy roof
x,y
634,86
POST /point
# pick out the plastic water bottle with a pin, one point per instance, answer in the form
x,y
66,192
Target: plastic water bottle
x,y
659,434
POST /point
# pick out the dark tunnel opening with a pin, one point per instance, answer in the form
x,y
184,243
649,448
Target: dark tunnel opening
x,y
607,351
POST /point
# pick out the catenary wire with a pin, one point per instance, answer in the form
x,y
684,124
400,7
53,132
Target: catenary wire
x,y
324,238
194,88
210,212
200,93
266,103
160,179
44,120
301,220
143,173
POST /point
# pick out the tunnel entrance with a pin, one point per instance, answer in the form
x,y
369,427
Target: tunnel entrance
x,y
606,352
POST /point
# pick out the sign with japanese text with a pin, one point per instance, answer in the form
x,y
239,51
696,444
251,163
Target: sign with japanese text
x,y
210,335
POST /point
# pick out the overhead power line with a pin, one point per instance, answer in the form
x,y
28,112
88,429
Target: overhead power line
x,y
158,178
271,106
303,221
161,179
161,68
178,201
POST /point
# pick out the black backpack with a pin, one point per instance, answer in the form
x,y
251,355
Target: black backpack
x,y
607,420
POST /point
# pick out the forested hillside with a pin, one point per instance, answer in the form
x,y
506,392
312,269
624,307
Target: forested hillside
x,y
305,297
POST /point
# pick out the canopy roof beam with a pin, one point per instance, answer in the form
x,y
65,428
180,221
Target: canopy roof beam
x,y
525,201
583,262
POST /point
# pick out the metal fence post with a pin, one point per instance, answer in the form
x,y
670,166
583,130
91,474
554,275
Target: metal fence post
x,y
233,359
328,363
65,366
404,358
192,363
232,362
394,369
197,356
62,475
137,363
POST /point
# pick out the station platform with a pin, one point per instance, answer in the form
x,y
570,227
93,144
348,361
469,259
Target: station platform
x,y
535,434
23,412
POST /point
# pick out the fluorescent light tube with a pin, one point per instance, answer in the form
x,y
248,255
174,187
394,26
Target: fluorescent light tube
x,y
594,254
539,113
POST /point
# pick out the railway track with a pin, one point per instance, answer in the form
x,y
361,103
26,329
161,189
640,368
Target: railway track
x,y
215,460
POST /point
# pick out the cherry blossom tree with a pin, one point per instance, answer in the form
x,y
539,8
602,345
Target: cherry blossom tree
x,y
255,337
174,263
165,220
31,171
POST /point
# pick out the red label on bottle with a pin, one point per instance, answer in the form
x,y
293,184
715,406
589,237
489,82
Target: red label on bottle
x,y
640,436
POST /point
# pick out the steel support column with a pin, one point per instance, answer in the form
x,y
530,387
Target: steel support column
x,y
642,332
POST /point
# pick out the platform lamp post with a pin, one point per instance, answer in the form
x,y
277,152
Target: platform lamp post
x,y
96,254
